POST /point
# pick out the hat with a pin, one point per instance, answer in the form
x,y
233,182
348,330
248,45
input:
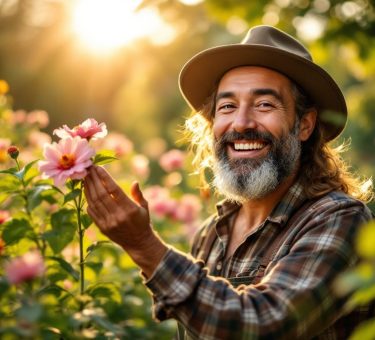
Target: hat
x,y
266,46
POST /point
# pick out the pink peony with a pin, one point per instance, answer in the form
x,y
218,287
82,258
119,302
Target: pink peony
x,y
25,268
69,158
89,129
172,160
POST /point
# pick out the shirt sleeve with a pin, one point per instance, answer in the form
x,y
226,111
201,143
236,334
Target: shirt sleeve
x,y
294,299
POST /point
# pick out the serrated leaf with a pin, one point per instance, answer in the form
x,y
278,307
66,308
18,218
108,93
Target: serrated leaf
x,y
64,225
66,266
104,157
15,230
72,195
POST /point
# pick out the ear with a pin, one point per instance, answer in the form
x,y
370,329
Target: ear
x,y
307,124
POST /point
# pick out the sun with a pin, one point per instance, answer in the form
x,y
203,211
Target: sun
x,y
105,25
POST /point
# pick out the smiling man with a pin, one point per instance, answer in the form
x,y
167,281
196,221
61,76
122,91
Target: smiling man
x,y
264,266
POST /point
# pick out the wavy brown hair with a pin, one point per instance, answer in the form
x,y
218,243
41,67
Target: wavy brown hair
x,y
322,169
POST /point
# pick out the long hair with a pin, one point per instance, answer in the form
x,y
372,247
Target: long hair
x,y
322,169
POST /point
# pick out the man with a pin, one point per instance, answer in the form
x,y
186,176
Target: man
x,y
285,231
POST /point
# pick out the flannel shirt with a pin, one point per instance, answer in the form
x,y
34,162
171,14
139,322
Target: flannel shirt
x,y
295,296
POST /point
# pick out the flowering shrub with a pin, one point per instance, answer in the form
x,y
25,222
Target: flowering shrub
x,y
59,277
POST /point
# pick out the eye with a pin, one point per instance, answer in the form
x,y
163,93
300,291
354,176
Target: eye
x,y
225,107
265,105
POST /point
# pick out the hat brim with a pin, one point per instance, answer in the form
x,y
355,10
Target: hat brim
x,y
201,74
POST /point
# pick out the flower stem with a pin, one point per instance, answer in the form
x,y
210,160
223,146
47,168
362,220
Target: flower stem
x,y
81,231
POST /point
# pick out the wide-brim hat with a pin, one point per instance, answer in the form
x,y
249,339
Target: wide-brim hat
x,y
266,46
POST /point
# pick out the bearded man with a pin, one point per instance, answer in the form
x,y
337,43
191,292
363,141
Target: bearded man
x,y
265,265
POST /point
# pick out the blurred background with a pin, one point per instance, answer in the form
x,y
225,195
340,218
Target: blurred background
x,y
118,60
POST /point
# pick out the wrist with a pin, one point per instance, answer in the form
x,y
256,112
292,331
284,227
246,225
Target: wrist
x,y
148,255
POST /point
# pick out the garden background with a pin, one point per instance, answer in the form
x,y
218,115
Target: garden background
x,y
62,62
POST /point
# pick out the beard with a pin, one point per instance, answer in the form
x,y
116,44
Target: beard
x,y
244,179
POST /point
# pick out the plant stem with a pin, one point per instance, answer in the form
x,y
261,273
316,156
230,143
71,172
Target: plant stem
x,y
81,231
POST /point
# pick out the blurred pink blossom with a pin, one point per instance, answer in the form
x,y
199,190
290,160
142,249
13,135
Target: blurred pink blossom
x,y
38,117
38,138
188,208
117,142
18,117
69,158
89,129
172,160
25,268
4,216
140,166
160,203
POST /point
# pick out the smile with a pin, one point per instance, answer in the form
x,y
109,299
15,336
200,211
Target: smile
x,y
248,145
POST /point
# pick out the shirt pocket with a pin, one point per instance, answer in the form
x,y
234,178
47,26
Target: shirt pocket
x,y
251,275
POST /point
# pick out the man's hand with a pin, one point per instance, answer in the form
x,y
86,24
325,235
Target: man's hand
x,y
123,220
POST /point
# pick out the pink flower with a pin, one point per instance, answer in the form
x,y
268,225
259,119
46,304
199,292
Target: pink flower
x,y
89,129
69,158
38,117
188,209
117,142
140,166
160,203
38,138
25,268
4,216
172,160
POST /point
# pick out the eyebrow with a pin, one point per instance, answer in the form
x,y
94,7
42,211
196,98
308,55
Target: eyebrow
x,y
256,92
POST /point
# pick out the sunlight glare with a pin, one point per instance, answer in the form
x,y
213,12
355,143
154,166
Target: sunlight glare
x,y
105,25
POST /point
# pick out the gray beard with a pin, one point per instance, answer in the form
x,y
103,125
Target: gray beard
x,y
246,179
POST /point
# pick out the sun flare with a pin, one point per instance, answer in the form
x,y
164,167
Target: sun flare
x,y
105,25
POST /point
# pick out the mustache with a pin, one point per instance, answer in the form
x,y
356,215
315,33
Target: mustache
x,y
249,134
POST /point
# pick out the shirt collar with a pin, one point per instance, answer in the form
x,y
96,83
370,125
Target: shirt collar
x,y
291,201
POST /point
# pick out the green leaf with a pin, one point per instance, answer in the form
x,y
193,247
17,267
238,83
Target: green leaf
x,y
64,225
15,230
96,246
105,157
365,241
365,331
24,171
72,195
66,266
39,193
86,220
95,266
10,171
9,183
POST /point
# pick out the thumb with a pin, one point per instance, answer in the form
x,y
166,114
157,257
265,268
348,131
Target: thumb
x,y
137,195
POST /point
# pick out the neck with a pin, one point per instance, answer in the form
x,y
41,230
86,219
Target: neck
x,y
254,212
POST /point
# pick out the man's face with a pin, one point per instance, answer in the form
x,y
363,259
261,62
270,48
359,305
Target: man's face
x,y
256,133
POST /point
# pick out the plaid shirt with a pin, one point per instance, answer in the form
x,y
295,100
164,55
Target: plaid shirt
x,y
294,298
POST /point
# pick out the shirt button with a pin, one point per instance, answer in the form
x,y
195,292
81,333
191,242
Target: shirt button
x,y
219,266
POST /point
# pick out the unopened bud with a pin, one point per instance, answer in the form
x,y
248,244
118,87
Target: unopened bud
x,y
13,152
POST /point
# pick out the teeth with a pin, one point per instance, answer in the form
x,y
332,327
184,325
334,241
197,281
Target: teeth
x,y
248,146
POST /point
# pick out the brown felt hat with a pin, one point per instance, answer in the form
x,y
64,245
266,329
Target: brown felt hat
x,y
268,47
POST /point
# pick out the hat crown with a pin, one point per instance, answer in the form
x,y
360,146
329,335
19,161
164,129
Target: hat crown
x,y
273,37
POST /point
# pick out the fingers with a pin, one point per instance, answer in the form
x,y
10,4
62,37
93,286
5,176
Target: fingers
x,y
137,195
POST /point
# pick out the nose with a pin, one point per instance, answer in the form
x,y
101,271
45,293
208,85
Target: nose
x,y
243,120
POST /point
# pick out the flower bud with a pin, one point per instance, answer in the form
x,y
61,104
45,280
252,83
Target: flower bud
x,y
13,152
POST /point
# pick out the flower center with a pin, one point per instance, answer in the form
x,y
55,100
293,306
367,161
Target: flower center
x,y
67,161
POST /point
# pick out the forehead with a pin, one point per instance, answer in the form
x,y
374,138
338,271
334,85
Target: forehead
x,y
255,76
